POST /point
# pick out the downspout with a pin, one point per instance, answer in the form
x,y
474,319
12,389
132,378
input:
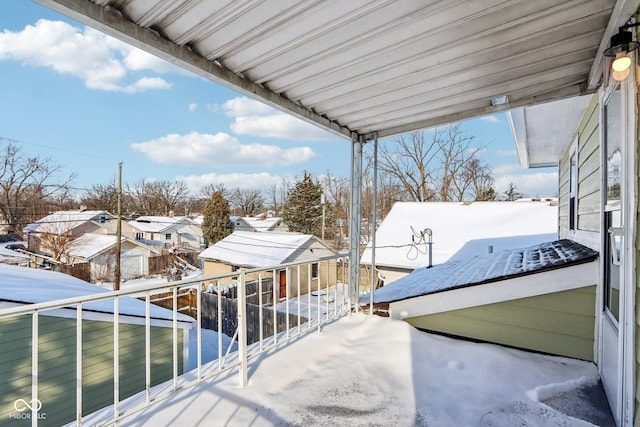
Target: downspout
x,y
354,221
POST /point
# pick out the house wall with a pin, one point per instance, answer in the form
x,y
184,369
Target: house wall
x,y
57,364
327,273
214,268
189,234
560,323
588,196
134,263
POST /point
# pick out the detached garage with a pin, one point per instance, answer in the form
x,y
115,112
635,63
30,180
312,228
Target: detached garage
x,y
99,251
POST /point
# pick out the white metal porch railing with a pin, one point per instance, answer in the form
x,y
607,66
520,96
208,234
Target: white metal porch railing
x,y
320,299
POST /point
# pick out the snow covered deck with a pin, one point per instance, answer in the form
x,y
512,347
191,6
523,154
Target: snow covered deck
x,y
366,370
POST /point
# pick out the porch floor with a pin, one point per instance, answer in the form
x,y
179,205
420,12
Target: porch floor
x,y
368,370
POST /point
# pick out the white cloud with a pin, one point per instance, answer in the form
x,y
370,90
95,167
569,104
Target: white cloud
x,y
506,153
102,62
221,149
542,184
257,119
506,168
490,119
261,181
193,107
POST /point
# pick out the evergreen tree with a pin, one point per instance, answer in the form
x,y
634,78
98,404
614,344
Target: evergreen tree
x,y
216,224
302,211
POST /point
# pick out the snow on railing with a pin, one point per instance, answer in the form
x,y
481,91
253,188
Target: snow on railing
x,y
294,288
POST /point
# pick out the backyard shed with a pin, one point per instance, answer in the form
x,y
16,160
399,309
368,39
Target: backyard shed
x,y
247,249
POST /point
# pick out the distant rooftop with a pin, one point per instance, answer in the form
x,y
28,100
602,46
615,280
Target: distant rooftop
x,y
460,230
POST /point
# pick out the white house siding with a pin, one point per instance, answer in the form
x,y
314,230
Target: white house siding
x,y
132,266
588,196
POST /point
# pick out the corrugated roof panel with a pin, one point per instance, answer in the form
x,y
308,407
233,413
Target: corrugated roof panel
x,y
383,66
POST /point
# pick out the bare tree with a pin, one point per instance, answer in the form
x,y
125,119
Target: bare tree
x,y
208,190
482,181
512,192
338,193
25,184
168,195
101,196
429,166
156,197
246,202
56,238
410,160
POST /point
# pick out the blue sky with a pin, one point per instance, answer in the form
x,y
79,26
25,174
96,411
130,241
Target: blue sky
x,y
88,102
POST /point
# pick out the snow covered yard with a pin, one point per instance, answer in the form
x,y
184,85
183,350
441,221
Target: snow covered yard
x,y
367,370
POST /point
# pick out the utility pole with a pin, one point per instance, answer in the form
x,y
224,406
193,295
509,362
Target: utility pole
x,y
116,282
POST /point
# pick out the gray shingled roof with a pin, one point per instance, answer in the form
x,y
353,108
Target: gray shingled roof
x,y
482,269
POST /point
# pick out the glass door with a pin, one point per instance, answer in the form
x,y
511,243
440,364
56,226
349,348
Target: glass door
x,y
613,250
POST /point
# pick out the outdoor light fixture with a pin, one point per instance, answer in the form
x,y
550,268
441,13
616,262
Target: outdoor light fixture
x,y
619,48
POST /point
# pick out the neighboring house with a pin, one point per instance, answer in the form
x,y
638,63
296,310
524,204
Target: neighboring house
x,y
99,251
53,232
458,230
167,231
57,345
540,297
247,249
258,223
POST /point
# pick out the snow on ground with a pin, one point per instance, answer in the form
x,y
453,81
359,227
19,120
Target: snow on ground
x,y
209,345
372,371
326,300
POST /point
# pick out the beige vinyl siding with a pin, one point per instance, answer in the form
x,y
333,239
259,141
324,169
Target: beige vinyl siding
x,y
589,180
560,323
57,364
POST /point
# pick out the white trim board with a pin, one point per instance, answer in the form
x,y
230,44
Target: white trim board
x,y
546,282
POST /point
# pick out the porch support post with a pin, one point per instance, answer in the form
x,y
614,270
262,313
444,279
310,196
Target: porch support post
x,y
355,219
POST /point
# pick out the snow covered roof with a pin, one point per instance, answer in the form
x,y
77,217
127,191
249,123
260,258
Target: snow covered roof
x,y
460,230
251,249
90,244
63,221
29,286
157,224
258,223
486,268
11,256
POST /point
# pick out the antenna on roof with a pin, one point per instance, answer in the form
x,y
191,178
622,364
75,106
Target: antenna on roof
x,y
420,239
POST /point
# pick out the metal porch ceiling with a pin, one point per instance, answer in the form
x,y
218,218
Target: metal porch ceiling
x,y
374,67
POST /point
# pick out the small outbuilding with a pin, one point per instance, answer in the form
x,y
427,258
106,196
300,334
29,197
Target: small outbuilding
x,y
247,249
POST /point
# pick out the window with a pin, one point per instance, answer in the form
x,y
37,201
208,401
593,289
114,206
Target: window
x,y
314,270
167,236
139,236
573,187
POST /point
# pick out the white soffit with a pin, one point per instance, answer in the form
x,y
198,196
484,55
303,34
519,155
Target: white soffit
x,y
359,68
542,132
